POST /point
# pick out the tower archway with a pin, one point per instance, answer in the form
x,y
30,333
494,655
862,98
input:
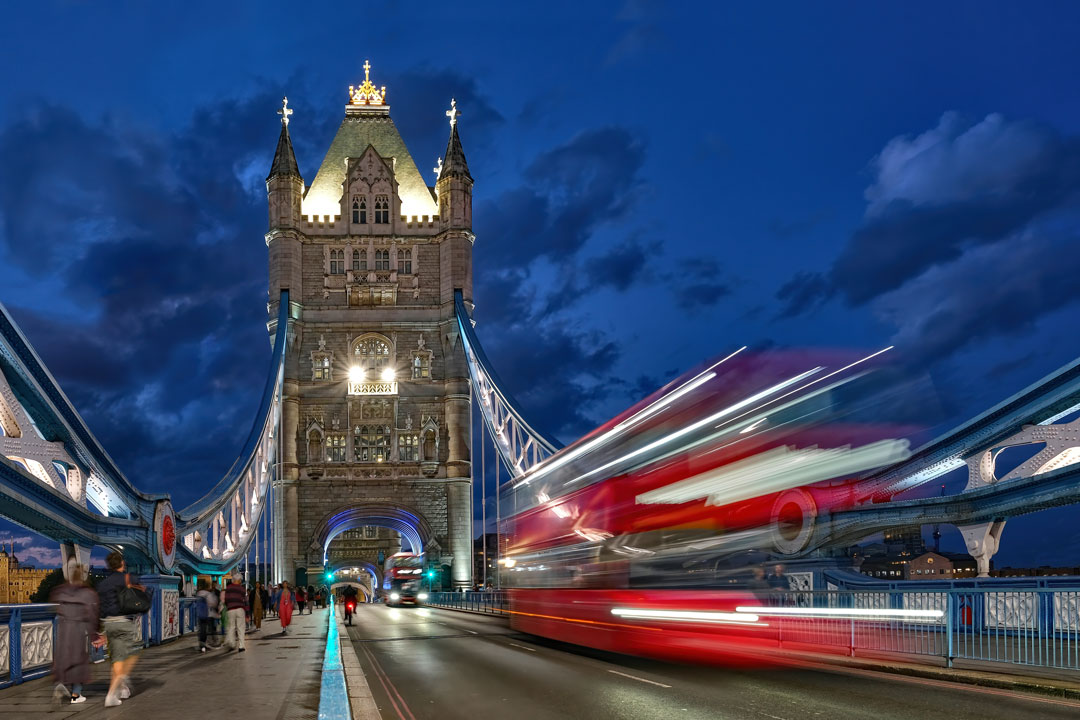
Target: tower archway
x,y
410,524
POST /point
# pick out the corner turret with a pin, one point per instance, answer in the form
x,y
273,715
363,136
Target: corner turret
x,y
454,186
284,186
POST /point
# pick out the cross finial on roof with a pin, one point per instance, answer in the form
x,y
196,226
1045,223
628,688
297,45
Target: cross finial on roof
x,y
284,112
367,69
438,169
453,112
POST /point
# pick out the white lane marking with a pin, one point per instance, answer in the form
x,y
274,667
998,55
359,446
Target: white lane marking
x,y
522,647
635,677
473,632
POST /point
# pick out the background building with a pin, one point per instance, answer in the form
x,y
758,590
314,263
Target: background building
x,y
17,582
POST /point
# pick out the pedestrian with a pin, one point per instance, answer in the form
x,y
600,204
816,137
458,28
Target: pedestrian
x,y
285,607
208,611
76,631
119,629
301,599
778,583
264,596
256,602
310,595
235,608
274,596
759,584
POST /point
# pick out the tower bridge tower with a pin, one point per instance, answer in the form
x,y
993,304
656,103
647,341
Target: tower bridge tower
x,y
376,407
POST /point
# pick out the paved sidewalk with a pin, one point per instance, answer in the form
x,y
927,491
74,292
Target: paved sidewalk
x,y
277,678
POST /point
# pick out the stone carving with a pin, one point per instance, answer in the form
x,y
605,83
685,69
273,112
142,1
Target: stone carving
x,y
1012,610
420,342
1067,611
322,343
170,614
871,600
37,644
926,601
408,418
5,649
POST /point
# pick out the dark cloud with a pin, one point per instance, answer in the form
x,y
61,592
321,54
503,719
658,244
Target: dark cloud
x,y
419,90
969,234
699,285
159,238
570,191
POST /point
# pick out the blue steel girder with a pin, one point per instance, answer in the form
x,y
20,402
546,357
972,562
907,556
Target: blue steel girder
x,y
1043,402
987,504
54,451
520,446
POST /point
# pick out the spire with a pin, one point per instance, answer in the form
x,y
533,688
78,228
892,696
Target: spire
x,y
454,161
284,158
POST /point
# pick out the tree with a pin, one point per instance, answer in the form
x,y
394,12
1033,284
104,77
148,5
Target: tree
x,y
50,581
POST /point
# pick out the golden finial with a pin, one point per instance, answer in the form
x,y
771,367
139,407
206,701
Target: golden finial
x,y
367,94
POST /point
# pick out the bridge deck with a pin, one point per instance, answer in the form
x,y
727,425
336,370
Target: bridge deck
x,y
278,677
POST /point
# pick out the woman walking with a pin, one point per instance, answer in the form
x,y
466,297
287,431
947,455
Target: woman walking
x,y
76,631
285,607
301,599
256,604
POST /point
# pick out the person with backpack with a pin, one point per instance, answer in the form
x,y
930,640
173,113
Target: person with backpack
x,y
119,626
301,599
208,612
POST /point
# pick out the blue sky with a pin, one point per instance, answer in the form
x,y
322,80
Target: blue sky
x,y
789,174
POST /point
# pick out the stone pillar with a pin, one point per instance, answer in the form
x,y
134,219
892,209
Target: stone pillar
x,y
459,529
983,541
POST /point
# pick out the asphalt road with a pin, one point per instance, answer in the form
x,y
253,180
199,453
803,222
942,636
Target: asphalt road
x,y
426,663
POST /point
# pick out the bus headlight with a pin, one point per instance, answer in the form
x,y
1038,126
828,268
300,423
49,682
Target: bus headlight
x,y
422,596
395,596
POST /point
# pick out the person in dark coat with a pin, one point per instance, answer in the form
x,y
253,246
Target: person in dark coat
x,y
76,630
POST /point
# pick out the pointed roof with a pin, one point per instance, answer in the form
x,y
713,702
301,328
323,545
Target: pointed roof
x,y
454,160
357,131
284,158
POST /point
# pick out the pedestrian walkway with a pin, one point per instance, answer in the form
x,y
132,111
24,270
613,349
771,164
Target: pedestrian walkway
x,y
277,677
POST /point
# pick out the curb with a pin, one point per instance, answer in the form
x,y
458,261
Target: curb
x,y
953,676
361,701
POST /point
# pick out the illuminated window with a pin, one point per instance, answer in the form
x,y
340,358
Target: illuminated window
x,y
404,263
370,531
337,262
320,367
421,367
382,259
408,448
372,353
371,443
382,209
335,448
359,210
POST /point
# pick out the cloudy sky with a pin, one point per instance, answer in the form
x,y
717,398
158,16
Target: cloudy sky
x,y
654,186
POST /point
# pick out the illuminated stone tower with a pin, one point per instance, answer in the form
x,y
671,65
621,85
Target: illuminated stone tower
x,y
376,393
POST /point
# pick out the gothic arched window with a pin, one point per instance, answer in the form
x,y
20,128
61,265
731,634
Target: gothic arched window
x,y
372,354
320,367
404,263
408,450
359,210
382,259
337,262
335,448
355,211
421,367
382,209
371,443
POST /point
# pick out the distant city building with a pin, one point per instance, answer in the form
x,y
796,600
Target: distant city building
x,y
18,582
927,566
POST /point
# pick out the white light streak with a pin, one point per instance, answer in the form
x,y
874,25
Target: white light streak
x,y
774,470
557,461
840,612
699,424
723,618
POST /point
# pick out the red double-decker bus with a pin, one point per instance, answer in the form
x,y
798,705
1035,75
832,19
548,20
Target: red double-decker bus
x,y
648,535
